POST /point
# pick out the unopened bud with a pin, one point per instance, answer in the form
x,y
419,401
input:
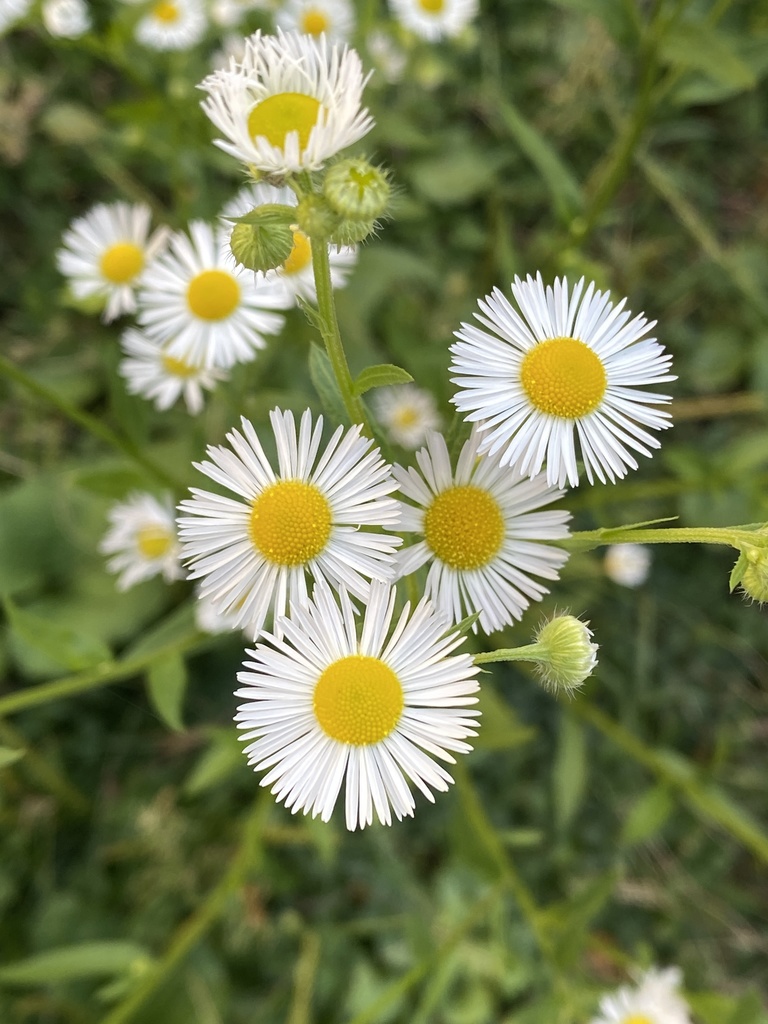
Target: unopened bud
x,y
753,564
316,218
262,239
350,232
567,654
357,190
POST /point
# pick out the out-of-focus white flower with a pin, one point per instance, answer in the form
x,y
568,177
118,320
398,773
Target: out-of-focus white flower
x,y
142,541
655,999
408,413
627,564
12,11
150,371
335,18
68,19
172,25
434,19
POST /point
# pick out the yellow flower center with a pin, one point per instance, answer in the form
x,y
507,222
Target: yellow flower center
x,y
165,11
358,700
121,262
431,6
637,1018
282,113
178,368
313,22
405,417
300,255
213,295
563,377
290,522
153,541
464,527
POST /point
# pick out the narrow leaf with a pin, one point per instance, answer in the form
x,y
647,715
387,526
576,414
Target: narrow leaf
x,y
67,648
166,686
324,381
9,755
67,963
380,376
694,44
648,815
569,773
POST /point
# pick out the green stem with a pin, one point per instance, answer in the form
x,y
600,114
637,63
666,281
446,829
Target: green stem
x,y
89,423
329,328
733,536
530,652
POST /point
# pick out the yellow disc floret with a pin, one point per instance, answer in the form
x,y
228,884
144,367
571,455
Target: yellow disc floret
x,y
637,1018
213,295
165,11
153,541
290,522
282,113
404,417
464,527
300,255
563,377
121,262
178,368
313,22
358,700
432,6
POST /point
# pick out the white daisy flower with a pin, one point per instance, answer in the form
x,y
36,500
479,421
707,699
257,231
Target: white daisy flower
x,y
143,540
204,308
654,1000
12,11
326,707
67,19
481,533
290,104
150,371
627,564
295,279
408,414
172,25
434,19
106,251
335,18
565,364
309,517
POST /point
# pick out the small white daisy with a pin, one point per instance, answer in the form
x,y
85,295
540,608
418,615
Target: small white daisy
x,y
564,365
150,371
204,308
434,19
308,518
482,533
105,252
335,18
172,25
408,413
654,1000
67,19
143,540
12,11
326,707
290,104
295,278
627,564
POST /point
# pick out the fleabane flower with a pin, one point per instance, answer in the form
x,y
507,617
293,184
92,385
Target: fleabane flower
x,y
335,18
481,532
142,540
434,19
105,252
291,103
295,278
151,371
172,25
655,999
67,19
336,704
205,309
566,366
320,515
627,564
408,413
12,11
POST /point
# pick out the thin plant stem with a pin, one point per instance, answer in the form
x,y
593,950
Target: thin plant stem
x,y
733,536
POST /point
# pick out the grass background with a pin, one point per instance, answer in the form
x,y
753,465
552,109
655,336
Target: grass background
x,y
143,875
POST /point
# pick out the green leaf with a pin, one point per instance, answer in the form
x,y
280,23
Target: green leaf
x,y
68,963
175,628
110,481
380,376
456,176
9,756
569,771
166,686
324,381
64,647
694,44
648,814
737,573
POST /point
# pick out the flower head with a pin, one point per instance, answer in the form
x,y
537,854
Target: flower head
x,y
335,18
332,704
627,564
105,253
655,999
434,19
290,104
565,365
152,372
142,539
313,517
568,656
12,11
172,25
204,308
482,533
408,414
67,19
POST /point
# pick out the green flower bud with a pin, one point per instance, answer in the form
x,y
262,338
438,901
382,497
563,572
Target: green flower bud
x,y
357,190
315,218
567,655
350,232
754,575
263,239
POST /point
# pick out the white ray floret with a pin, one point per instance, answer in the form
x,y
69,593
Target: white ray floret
x,y
290,104
655,999
408,413
332,704
204,308
105,252
142,541
321,515
172,25
434,19
567,366
482,533
151,371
